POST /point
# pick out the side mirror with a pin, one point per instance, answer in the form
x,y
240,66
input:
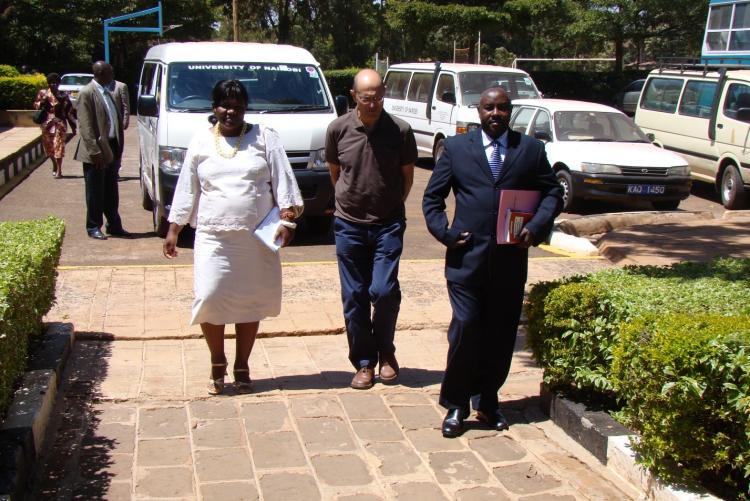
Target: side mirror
x,y
147,106
651,137
448,97
341,103
543,135
743,115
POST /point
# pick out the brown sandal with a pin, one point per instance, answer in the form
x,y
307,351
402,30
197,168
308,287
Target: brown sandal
x,y
243,387
216,386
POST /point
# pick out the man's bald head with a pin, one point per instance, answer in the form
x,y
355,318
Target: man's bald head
x,y
367,79
103,72
368,93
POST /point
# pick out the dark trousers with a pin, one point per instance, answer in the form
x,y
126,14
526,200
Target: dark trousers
x,y
481,338
102,194
368,258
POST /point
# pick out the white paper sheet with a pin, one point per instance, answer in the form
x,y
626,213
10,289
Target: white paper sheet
x,y
266,230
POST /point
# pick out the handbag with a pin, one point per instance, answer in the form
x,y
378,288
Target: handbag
x,y
39,116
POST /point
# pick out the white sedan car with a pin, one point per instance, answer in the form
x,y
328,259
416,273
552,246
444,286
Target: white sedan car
x,y
597,152
72,83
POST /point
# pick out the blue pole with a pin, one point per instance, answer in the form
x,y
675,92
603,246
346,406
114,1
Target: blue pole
x,y
106,41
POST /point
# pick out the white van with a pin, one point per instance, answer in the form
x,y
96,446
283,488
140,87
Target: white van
x,y
440,100
287,92
704,116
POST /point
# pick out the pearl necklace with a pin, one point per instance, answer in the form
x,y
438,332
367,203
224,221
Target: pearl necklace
x,y
217,142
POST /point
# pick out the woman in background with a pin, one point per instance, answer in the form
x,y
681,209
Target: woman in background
x,y
234,174
60,112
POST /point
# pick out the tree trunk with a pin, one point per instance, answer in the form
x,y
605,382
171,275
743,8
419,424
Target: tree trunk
x,y
619,51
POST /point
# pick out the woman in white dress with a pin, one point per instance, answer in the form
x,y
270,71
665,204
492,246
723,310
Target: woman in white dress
x,y
234,173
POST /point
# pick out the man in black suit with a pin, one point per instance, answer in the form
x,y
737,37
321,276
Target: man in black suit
x,y
485,280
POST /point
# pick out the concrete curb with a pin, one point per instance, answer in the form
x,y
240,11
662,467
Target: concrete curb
x,y
603,223
609,442
23,431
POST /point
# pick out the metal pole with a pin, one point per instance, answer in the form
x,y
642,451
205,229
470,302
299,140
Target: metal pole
x,y
479,48
106,41
454,50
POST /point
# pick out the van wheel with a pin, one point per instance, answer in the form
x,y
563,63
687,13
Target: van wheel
x,y
161,225
732,190
146,201
570,203
437,152
665,204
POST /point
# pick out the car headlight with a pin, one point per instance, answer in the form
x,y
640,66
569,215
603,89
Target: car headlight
x,y
171,159
592,168
682,170
317,160
464,127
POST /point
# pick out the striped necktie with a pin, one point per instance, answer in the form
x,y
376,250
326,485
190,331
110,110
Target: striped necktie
x,y
496,163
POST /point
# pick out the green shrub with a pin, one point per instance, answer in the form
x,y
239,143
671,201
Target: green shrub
x,y
7,70
18,93
686,381
597,86
341,81
574,323
29,253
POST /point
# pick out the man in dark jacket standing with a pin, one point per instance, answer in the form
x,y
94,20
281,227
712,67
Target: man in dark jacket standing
x,y
485,280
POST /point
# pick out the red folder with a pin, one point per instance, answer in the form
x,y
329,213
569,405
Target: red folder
x,y
515,209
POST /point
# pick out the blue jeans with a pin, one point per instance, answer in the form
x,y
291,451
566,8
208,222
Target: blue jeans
x,y
368,257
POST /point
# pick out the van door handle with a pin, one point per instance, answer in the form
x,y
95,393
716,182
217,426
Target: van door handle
x,y
719,126
434,107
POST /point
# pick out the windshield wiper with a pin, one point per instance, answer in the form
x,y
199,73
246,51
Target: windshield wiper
x,y
302,107
190,110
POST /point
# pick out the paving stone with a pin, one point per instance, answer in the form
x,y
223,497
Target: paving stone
x,y
525,478
229,491
549,497
420,416
165,482
223,464
482,494
106,466
164,452
216,433
359,497
162,422
346,469
325,435
592,485
378,430
114,413
432,440
396,458
460,467
265,416
365,406
407,399
529,432
97,489
277,449
205,409
497,448
418,490
317,406
112,437
289,487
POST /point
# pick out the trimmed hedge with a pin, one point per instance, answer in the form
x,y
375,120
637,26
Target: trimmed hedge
x,y
7,70
18,93
599,87
29,253
688,396
671,347
341,81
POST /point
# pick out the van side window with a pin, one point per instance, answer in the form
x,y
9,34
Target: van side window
x,y
396,83
738,96
522,119
419,90
661,94
697,99
146,86
446,89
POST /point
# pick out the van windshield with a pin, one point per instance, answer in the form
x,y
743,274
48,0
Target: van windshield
x,y
272,87
473,83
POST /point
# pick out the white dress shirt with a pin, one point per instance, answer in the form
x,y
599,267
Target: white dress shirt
x,y
111,110
487,142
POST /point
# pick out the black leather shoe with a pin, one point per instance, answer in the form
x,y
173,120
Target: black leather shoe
x,y
97,234
453,424
121,233
494,420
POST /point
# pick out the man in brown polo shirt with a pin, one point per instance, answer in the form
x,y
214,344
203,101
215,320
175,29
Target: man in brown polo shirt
x,y
371,156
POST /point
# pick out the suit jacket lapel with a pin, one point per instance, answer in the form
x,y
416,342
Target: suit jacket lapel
x,y
479,154
511,153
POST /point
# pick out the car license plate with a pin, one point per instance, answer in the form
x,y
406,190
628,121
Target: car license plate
x,y
646,189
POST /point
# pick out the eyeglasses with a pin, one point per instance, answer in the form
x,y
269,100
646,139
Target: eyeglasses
x,y
369,99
